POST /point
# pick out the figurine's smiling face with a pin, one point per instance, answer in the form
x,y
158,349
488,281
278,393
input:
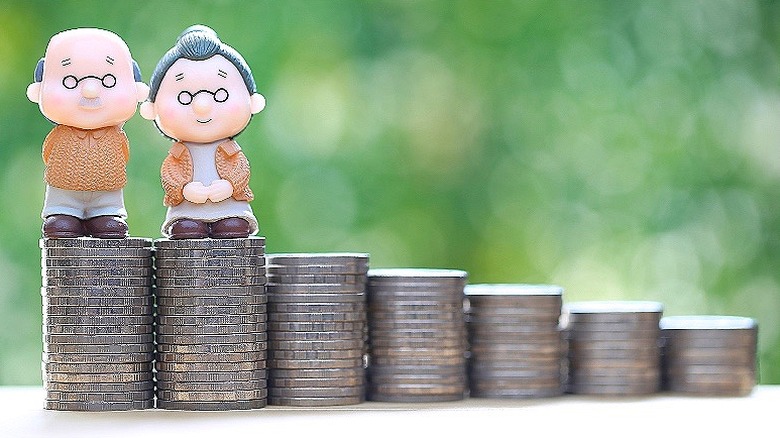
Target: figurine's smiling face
x,y
202,101
87,80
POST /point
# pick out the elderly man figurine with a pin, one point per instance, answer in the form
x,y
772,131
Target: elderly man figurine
x,y
202,95
88,85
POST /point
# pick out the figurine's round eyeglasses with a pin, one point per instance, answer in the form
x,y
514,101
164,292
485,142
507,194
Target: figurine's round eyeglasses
x,y
186,98
70,82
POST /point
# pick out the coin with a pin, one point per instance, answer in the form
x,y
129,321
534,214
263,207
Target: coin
x,y
327,258
100,368
212,376
212,406
642,388
249,271
52,274
232,304
337,391
209,282
53,347
257,311
213,348
96,263
194,263
339,344
195,253
402,342
91,378
227,329
96,330
97,301
415,389
316,288
98,406
649,336
315,326
613,311
303,298
309,308
98,311
210,366
515,393
97,282
202,293
98,339
212,396
400,360
114,253
317,269
311,402
249,242
405,378
107,292
316,354
355,372
201,320
212,386
229,338
89,242
284,317
96,321
240,356
146,385
98,358
326,335
316,382
315,363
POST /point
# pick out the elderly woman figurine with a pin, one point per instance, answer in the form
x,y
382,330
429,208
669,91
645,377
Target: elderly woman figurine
x,y
202,95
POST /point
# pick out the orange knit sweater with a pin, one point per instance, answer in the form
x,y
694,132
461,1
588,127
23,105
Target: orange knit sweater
x,y
86,160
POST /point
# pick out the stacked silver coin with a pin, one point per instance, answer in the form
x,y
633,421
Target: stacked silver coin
x,y
417,335
709,355
316,328
613,347
211,324
98,316
515,343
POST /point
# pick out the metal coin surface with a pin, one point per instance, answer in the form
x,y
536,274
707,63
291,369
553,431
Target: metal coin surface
x,y
210,366
239,356
212,396
96,252
249,242
98,349
357,372
302,382
98,358
326,335
213,348
99,406
212,406
99,378
230,385
146,385
312,402
229,338
98,339
338,344
96,368
200,330
315,363
90,242
105,292
220,376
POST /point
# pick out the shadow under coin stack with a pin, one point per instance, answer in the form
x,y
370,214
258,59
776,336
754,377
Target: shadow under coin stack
x,y
515,343
417,335
211,324
98,344
710,355
613,347
316,329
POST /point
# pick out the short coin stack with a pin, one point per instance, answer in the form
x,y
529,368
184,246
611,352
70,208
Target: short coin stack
x,y
710,355
417,335
98,341
613,347
211,324
316,329
515,343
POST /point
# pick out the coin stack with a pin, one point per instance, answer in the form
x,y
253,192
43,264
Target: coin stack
x,y
417,335
710,355
515,343
98,344
613,347
316,329
211,324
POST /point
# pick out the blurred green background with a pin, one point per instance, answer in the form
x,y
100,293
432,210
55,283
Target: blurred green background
x,y
620,149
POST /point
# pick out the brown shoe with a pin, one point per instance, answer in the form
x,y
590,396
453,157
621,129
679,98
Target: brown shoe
x,y
62,226
230,228
188,229
106,227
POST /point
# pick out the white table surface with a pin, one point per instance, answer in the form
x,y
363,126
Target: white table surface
x,y
664,414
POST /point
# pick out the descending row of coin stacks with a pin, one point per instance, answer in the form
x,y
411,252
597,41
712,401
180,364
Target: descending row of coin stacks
x,y
613,347
316,329
515,346
417,335
211,324
98,344
709,355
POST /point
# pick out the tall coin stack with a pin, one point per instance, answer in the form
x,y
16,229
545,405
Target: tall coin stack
x,y
98,343
417,335
613,347
316,329
515,343
710,355
211,324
